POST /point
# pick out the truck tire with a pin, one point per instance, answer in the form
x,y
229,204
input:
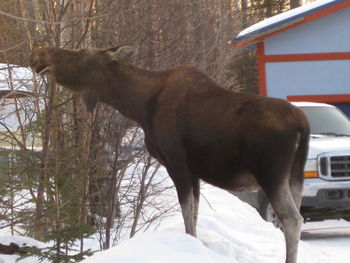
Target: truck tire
x,y
266,212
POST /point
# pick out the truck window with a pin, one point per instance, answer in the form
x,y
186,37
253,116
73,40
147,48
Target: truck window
x,y
327,120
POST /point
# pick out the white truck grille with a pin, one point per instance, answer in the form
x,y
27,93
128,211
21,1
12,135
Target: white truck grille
x,y
334,167
340,166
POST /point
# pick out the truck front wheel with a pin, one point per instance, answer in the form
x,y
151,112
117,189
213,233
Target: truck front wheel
x,y
266,212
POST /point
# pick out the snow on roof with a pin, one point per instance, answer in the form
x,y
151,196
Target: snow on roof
x,y
311,104
284,19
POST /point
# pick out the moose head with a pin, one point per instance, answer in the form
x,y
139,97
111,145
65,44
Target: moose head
x,y
85,70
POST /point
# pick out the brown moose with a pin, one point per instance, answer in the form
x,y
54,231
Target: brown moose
x,y
196,129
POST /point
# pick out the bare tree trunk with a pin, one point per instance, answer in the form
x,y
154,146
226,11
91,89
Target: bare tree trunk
x,y
113,191
45,158
244,6
143,192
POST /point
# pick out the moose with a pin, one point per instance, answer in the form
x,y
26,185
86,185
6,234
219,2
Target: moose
x,y
196,128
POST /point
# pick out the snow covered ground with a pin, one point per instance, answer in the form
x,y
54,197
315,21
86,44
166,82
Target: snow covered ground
x,y
6,239
228,231
332,236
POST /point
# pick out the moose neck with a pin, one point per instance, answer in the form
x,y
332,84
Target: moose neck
x,y
131,89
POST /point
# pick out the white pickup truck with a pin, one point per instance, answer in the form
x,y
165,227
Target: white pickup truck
x,y
326,192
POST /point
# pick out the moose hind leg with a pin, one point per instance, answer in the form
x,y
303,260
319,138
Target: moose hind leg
x,y
288,213
296,180
296,187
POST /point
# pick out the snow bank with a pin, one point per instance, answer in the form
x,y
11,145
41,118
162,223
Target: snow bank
x,y
160,246
228,231
22,242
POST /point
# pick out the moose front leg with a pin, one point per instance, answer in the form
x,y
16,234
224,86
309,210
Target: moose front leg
x,y
196,195
188,195
190,206
188,212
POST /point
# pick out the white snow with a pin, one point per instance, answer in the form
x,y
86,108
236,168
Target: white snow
x,y
312,104
14,77
335,238
228,231
17,79
283,16
21,241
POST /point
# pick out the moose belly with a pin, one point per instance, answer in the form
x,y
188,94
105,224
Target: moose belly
x,y
222,165
239,182
243,181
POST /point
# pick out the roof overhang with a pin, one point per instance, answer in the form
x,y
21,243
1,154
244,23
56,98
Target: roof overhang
x,y
289,19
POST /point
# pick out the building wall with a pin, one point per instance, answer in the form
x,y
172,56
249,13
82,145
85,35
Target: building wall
x,y
327,77
310,62
330,33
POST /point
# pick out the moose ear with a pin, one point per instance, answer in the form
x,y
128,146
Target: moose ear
x,y
121,53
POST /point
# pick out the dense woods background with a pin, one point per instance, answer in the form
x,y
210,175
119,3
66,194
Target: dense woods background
x,y
70,173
